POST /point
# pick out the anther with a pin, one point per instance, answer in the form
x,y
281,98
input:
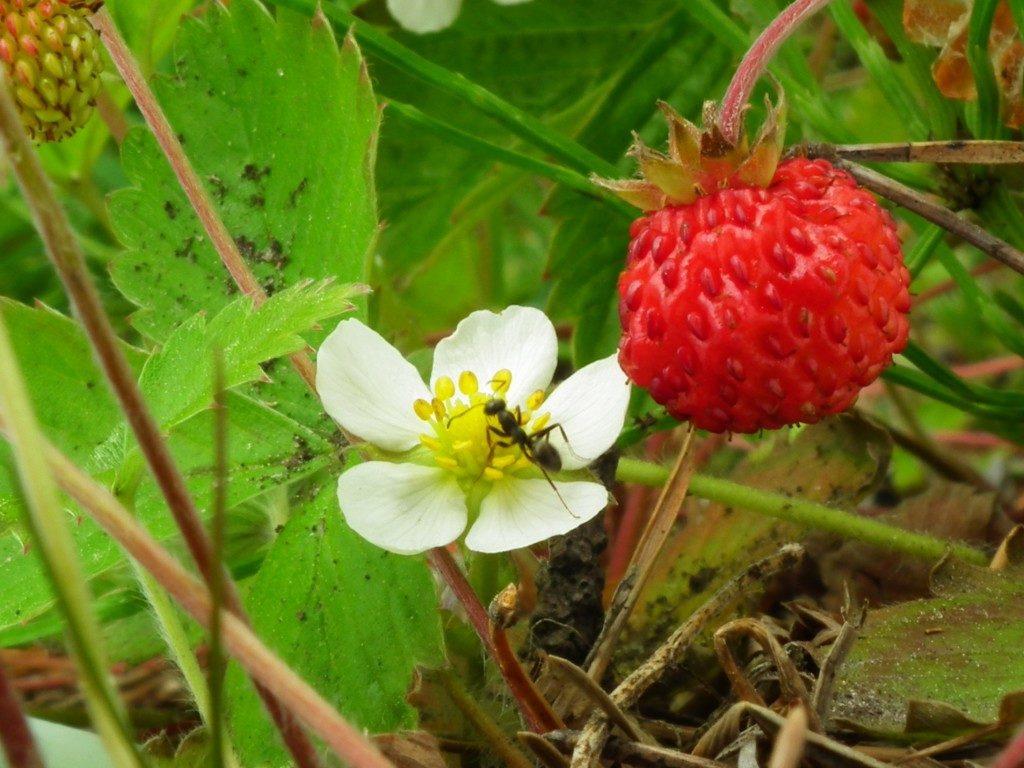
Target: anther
x,y
446,461
534,401
444,388
439,410
431,443
493,474
501,462
501,381
468,384
423,409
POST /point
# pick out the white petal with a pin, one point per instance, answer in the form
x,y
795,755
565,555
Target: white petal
x,y
520,339
369,388
591,407
404,508
424,16
518,513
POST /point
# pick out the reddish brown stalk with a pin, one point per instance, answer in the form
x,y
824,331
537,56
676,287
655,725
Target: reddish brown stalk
x,y
1013,755
730,118
262,665
66,255
187,177
441,560
531,704
18,743
536,711
993,367
949,286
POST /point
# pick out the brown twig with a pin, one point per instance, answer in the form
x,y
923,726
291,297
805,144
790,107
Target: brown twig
x,y
633,753
791,740
17,740
943,152
66,256
664,516
586,685
264,667
791,684
629,691
543,749
949,220
823,749
821,696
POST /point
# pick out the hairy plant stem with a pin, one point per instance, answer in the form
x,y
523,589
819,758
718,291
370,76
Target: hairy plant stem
x,y
265,668
760,54
19,745
66,256
188,179
806,513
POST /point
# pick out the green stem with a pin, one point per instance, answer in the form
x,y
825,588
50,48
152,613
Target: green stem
x,y
176,637
979,32
805,513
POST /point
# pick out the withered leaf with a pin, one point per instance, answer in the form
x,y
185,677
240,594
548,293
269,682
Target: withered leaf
x,y
944,24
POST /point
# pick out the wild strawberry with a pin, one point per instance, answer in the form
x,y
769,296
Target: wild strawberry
x,y
756,294
51,56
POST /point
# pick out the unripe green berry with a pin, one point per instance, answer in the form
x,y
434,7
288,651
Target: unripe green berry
x,y
51,56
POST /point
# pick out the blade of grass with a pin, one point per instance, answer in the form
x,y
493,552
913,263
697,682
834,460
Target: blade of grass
x,y
18,743
66,255
882,71
266,669
921,254
217,663
989,122
47,523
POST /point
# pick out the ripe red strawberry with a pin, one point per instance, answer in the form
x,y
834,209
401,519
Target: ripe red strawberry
x,y
752,307
51,56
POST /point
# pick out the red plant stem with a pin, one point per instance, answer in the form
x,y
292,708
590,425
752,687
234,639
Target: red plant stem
x,y
18,743
756,60
441,560
531,704
536,711
993,367
949,286
1013,755
66,255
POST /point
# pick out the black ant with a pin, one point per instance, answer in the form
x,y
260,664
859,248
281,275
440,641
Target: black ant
x,y
536,447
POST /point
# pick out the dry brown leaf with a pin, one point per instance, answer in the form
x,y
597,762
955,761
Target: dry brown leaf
x,y
411,749
943,24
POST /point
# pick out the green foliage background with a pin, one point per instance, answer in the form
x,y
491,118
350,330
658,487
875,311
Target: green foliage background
x,y
314,146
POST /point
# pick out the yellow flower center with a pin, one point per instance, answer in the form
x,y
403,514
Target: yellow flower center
x,y
465,434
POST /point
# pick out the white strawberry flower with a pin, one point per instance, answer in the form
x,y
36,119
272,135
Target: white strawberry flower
x,y
425,16
449,466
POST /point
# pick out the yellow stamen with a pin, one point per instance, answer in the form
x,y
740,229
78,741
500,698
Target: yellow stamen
x,y
430,442
468,385
446,461
462,445
493,474
423,409
501,381
534,401
501,462
444,388
439,409
541,421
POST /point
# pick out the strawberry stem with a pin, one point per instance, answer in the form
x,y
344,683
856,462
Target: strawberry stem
x,y
730,119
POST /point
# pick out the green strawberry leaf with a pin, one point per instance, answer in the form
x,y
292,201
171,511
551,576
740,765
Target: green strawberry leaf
x,y
266,451
281,125
350,618
178,381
